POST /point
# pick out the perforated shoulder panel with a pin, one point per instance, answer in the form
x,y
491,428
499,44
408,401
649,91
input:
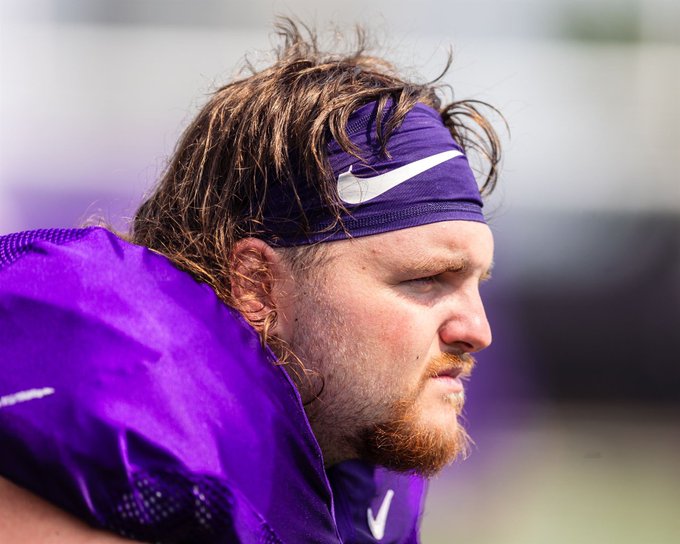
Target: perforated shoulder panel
x,y
13,246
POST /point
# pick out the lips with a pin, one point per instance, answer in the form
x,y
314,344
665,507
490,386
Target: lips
x,y
453,372
452,384
448,365
448,371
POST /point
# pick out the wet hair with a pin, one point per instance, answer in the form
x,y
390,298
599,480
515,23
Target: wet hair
x,y
273,126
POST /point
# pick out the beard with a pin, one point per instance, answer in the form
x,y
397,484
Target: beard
x,y
356,405
405,443
350,421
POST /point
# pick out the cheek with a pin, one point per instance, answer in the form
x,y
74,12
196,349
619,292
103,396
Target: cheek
x,y
372,315
395,333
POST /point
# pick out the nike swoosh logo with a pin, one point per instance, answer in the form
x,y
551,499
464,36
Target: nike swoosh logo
x,y
377,524
354,190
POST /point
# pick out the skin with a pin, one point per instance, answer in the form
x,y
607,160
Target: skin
x,y
26,519
373,319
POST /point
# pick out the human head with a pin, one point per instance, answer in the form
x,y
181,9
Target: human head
x,y
267,132
388,324
273,127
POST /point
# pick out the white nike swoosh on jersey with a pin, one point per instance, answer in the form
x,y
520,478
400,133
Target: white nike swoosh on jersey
x,y
377,524
354,190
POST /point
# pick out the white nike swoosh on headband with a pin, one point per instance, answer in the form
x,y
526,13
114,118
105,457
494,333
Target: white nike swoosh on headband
x,y
354,190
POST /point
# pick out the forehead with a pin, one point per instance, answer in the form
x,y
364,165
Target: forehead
x,y
444,241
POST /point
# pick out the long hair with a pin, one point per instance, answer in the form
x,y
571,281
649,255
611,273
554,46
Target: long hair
x,y
273,126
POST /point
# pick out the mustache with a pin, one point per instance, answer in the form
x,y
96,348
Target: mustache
x,y
451,364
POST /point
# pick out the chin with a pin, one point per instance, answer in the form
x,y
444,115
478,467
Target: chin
x,y
416,441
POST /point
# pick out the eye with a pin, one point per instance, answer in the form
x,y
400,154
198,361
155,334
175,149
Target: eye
x,y
423,283
425,279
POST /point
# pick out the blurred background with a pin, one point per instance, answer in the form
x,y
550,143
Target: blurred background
x,y
574,409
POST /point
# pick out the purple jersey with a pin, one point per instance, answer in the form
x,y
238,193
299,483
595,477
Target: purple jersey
x,y
132,397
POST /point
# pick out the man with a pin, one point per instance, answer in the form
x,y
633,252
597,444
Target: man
x,y
301,389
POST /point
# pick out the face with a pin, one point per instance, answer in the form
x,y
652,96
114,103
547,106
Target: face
x,y
385,328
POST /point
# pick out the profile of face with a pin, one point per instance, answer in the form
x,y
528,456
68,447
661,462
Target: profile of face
x,y
388,323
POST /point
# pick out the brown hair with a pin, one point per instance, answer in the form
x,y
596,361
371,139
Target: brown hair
x,y
273,126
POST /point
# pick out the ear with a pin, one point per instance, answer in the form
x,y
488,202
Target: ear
x,y
259,283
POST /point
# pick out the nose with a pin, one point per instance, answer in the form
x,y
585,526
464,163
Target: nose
x,y
466,326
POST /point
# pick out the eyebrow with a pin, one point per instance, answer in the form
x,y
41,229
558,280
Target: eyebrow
x,y
439,266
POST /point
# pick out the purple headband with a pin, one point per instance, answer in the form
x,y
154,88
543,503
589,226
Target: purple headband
x,y
426,180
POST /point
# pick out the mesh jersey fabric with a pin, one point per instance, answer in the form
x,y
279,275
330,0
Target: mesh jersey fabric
x,y
16,244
